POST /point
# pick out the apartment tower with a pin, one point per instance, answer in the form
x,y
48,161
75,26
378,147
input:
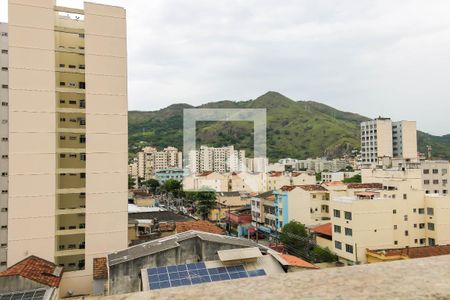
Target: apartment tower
x,y
382,138
4,145
67,192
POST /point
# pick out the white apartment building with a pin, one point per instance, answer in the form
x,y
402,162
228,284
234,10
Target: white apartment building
x,y
319,165
436,176
150,160
221,160
382,138
67,189
4,132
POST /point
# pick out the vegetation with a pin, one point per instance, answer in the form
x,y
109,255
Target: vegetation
x,y
151,184
297,242
131,182
205,201
303,128
354,179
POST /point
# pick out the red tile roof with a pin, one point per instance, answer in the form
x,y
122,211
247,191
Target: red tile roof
x,y
306,187
35,269
298,262
415,252
324,229
205,173
100,268
204,226
275,174
365,186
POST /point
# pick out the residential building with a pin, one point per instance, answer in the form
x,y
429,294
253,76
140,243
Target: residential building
x,y
207,181
338,176
150,160
162,175
4,144
31,278
263,212
397,215
276,180
307,204
226,201
68,146
256,165
221,160
383,138
436,176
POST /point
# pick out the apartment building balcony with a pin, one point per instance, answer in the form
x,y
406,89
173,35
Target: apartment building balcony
x,y
69,162
70,230
71,260
70,49
72,141
71,180
70,252
68,122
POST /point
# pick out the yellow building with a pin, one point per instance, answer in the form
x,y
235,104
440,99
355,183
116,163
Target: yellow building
x,y
226,201
67,136
397,215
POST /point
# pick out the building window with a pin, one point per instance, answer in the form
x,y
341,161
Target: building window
x,y
395,242
395,227
4,68
421,211
431,242
82,175
426,171
4,227
436,181
348,215
338,245
4,86
405,196
394,211
421,225
435,171
4,245
4,209
4,51
348,248
405,217
430,211
348,231
4,34
426,182
430,226
336,213
406,233
337,228
415,241
4,103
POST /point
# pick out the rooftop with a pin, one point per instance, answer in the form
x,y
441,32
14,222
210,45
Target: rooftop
x,y
306,187
365,185
36,269
424,278
171,242
200,225
324,229
414,252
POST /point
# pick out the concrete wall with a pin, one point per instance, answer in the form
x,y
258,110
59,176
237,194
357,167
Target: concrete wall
x,y
18,283
125,277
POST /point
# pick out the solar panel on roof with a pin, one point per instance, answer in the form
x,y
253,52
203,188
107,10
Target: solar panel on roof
x,y
195,273
38,294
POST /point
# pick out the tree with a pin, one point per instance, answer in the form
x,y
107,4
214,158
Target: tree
x,y
131,182
152,184
354,179
319,254
295,238
172,186
319,177
205,201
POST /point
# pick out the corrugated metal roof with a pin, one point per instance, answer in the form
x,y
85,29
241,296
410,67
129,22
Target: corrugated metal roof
x,y
171,242
239,254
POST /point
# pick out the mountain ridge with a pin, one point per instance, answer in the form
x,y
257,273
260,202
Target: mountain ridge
x,y
298,129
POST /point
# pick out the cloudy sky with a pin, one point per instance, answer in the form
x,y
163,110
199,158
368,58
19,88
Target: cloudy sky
x,y
383,57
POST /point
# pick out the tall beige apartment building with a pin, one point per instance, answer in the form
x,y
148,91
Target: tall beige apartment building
x,y
67,191
382,138
4,145
149,160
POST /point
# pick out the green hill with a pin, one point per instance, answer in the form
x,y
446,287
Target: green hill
x,y
298,129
